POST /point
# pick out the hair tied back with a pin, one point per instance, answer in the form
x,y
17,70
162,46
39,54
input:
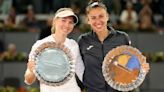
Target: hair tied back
x,y
93,1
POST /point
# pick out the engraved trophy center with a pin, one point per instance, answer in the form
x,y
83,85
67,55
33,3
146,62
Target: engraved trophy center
x,y
122,68
54,64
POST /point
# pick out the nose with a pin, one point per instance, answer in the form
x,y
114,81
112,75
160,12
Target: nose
x,y
98,21
67,24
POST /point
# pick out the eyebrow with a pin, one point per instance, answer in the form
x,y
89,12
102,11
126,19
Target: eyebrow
x,y
68,18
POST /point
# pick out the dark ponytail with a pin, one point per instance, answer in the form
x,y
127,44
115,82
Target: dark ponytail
x,y
92,1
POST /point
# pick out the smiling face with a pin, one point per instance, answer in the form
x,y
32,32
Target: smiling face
x,y
97,18
63,25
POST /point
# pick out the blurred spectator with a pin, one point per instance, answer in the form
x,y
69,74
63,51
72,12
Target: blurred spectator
x,y
46,31
30,20
12,13
146,24
5,6
146,10
11,54
146,18
143,2
10,20
9,23
129,18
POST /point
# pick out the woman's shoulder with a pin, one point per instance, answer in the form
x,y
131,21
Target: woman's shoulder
x,y
41,41
123,35
118,32
71,41
84,36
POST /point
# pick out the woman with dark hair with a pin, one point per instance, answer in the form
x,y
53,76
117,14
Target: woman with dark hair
x,y
96,44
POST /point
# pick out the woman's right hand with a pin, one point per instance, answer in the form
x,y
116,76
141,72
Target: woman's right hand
x,y
29,74
31,65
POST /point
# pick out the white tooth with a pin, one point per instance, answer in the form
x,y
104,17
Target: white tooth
x,y
98,26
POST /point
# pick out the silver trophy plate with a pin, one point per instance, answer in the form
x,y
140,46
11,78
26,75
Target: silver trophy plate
x,y
54,65
122,68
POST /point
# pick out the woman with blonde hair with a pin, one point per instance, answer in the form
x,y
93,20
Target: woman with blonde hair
x,y
63,24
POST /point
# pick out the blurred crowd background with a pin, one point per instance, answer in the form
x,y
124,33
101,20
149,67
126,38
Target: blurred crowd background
x,y
127,15
24,18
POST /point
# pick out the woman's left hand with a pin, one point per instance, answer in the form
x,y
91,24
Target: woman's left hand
x,y
145,67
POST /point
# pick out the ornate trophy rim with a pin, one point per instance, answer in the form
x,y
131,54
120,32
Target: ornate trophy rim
x,y
53,45
108,59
